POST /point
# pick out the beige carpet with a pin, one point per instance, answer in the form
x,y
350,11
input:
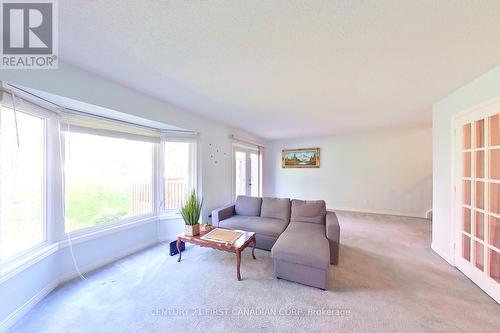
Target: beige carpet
x,y
388,280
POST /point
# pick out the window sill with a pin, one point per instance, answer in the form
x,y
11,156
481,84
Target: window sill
x,y
174,216
91,233
29,259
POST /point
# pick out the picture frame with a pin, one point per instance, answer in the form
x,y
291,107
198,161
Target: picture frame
x,y
300,158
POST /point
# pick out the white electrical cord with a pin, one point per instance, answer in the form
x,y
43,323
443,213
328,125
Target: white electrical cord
x,y
68,236
15,117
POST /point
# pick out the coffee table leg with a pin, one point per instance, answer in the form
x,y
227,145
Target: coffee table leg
x,y
238,263
178,243
254,242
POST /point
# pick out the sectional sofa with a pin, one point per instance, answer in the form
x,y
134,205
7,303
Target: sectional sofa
x,y
302,236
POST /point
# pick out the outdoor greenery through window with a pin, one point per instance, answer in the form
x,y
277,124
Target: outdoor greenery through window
x,y
106,179
22,177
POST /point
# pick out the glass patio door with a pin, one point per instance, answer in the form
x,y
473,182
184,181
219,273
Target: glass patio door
x,y
246,172
477,244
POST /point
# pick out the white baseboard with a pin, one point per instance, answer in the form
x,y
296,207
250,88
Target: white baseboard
x,y
443,254
379,212
26,307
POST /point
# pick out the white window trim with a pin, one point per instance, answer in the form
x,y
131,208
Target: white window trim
x,y
167,214
19,259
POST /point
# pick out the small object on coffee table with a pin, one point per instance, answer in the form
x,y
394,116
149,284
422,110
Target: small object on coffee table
x,y
223,236
246,238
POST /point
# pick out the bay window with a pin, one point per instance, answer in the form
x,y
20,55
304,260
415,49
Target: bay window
x,y
68,172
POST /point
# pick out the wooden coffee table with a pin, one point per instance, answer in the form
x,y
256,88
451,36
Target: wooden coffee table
x,y
237,247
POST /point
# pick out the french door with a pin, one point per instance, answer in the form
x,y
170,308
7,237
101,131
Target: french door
x,y
477,208
246,171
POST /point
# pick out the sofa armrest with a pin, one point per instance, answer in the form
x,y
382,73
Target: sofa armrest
x,y
222,214
333,235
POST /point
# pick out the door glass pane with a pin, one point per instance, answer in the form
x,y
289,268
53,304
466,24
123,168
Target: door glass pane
x,y
106,179
495,130
466,190
479,255
254,168
240,172
467,136
494,259
480,133
480,195
495,198
466,219
494,232
479,224
480,164
466,247
22,168
467,164
495,164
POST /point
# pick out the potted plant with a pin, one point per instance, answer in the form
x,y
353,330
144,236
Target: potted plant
x,y
191,212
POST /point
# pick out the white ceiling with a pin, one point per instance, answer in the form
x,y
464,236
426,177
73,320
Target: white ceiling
x,y
288,68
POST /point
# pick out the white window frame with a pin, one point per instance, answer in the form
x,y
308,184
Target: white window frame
x,y
164,213
122,221
24,256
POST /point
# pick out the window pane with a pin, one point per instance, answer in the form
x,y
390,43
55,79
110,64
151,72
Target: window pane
x,y
480,195
494,232
240,172
480,164
467,164
177,171
495,164
22,174
466,220
494,259
106,179
467,136
466,247
480,133
479,255
495,130
467,192
495,198
479,233
254,159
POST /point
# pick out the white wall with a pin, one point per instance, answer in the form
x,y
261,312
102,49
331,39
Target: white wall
x,y
20,291
386,172
482,89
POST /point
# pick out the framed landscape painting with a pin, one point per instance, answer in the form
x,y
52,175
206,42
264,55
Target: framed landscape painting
x,y
300,158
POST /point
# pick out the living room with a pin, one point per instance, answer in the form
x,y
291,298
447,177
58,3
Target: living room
x,y
240,166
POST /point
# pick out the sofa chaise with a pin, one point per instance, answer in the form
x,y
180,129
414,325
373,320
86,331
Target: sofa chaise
x,y
302,236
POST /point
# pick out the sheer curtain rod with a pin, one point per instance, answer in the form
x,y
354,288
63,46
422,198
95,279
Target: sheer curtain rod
x,y
58,109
